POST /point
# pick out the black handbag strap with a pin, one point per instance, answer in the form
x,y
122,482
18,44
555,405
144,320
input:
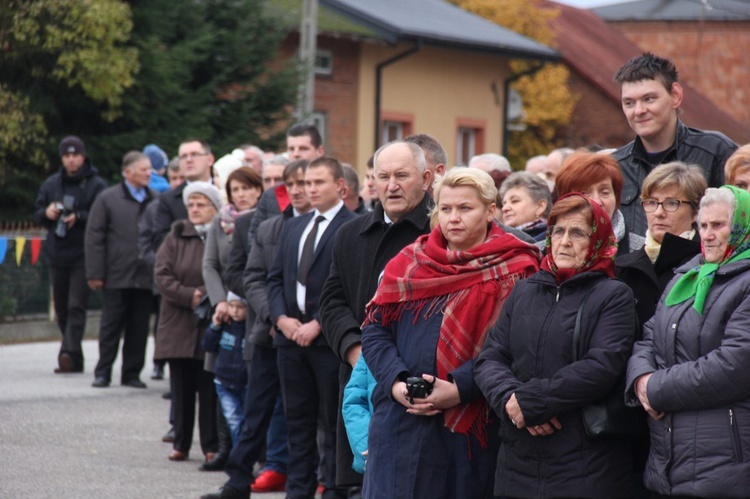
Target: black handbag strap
x,y
577,330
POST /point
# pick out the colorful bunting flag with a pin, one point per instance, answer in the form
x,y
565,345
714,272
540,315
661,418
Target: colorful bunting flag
x,y
20,244
3,248
36,246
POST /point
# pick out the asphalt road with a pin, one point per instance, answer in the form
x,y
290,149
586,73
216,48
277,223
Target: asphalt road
x,y
61,438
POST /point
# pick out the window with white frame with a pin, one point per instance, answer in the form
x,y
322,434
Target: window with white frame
x,y
323,62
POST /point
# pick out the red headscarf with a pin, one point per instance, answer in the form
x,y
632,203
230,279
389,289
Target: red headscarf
x,y
468,287
602,246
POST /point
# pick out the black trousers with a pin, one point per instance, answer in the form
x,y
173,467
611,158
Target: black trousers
x,y
309,386
125,310
70,293
189,378
260,399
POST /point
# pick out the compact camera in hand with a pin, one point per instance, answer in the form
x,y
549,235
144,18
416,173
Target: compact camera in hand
x,y
66,208
417,388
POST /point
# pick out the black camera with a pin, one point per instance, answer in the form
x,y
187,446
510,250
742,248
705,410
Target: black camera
x,y
418,388
66,208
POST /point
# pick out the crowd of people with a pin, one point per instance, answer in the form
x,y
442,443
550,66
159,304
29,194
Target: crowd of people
x,y
577,329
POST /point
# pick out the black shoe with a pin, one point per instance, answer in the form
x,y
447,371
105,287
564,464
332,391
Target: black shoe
x,y
100,382
158,372
168,436
228,492
218,463
166,395
134,383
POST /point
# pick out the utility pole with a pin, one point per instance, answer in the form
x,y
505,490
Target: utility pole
x,y
308,35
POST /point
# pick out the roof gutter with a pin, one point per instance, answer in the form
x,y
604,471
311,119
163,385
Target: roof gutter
x,y
506,92
379,84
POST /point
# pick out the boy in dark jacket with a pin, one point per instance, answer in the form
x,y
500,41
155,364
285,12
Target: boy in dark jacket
x,y
227,340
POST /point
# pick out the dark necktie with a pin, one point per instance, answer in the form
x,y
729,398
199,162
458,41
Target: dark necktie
x,y
308,250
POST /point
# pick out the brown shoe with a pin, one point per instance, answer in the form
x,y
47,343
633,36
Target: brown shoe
x,y
66,364
177,455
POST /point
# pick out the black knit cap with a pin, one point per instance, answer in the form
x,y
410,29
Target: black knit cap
x,y
72,144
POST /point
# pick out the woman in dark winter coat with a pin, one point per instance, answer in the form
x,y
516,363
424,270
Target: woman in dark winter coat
x,y
527,372
598,177
690,371
669,195
428,320
178,276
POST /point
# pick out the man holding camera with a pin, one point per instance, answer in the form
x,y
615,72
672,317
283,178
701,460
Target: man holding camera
x,y
62,207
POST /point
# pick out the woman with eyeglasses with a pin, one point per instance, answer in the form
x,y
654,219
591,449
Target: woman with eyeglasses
x,y
690,372
533,382
598,177
669,195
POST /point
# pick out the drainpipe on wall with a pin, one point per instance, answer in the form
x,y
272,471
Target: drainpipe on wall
x,y
506,92
379,84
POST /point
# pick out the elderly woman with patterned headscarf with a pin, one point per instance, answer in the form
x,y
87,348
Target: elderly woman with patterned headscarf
x,y
690,372
430,434
537,385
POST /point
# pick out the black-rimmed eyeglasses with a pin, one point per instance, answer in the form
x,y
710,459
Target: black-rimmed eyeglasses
x,y
669,204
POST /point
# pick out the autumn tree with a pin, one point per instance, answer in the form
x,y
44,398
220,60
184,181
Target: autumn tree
x,y
50,49
547,100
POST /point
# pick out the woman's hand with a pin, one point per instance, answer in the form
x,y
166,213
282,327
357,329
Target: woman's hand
x,y
444,393
641,392
419,407
514,412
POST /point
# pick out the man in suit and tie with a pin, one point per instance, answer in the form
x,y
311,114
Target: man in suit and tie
x,y
308,368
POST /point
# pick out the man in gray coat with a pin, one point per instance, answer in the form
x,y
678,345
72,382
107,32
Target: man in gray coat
x,y
114,266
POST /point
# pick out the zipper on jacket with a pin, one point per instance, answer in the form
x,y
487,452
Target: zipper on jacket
x,y
736,446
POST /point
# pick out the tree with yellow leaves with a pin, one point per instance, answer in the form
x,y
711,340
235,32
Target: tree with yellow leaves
x,y
547,100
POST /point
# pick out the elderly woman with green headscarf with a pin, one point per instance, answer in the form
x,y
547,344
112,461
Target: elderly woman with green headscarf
x,y
691,371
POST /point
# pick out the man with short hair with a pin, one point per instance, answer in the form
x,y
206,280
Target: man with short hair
x,y
196,161
361,250
350,195
651,96
434,153
307,366
114,266
273,172
304,142
62,207
253,157
490,162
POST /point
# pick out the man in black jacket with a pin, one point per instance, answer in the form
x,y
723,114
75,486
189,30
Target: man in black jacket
x,y
114,265
62,207
651,96
362,248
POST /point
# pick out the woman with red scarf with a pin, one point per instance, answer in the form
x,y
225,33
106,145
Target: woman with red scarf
x,y
428,320
528,373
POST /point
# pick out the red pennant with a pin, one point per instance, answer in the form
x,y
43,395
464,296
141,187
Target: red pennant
x,y
36,246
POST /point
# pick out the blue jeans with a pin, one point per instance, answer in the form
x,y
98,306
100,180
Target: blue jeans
x,y
232,402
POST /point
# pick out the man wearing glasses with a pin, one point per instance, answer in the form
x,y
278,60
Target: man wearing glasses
x,y
196,161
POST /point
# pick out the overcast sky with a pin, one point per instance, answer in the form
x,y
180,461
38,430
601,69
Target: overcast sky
x,y
587,4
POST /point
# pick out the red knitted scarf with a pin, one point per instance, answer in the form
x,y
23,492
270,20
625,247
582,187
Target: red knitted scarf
x,y
468,287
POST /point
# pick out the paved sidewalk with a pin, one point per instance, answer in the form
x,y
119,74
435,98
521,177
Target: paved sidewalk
x,y
59,437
